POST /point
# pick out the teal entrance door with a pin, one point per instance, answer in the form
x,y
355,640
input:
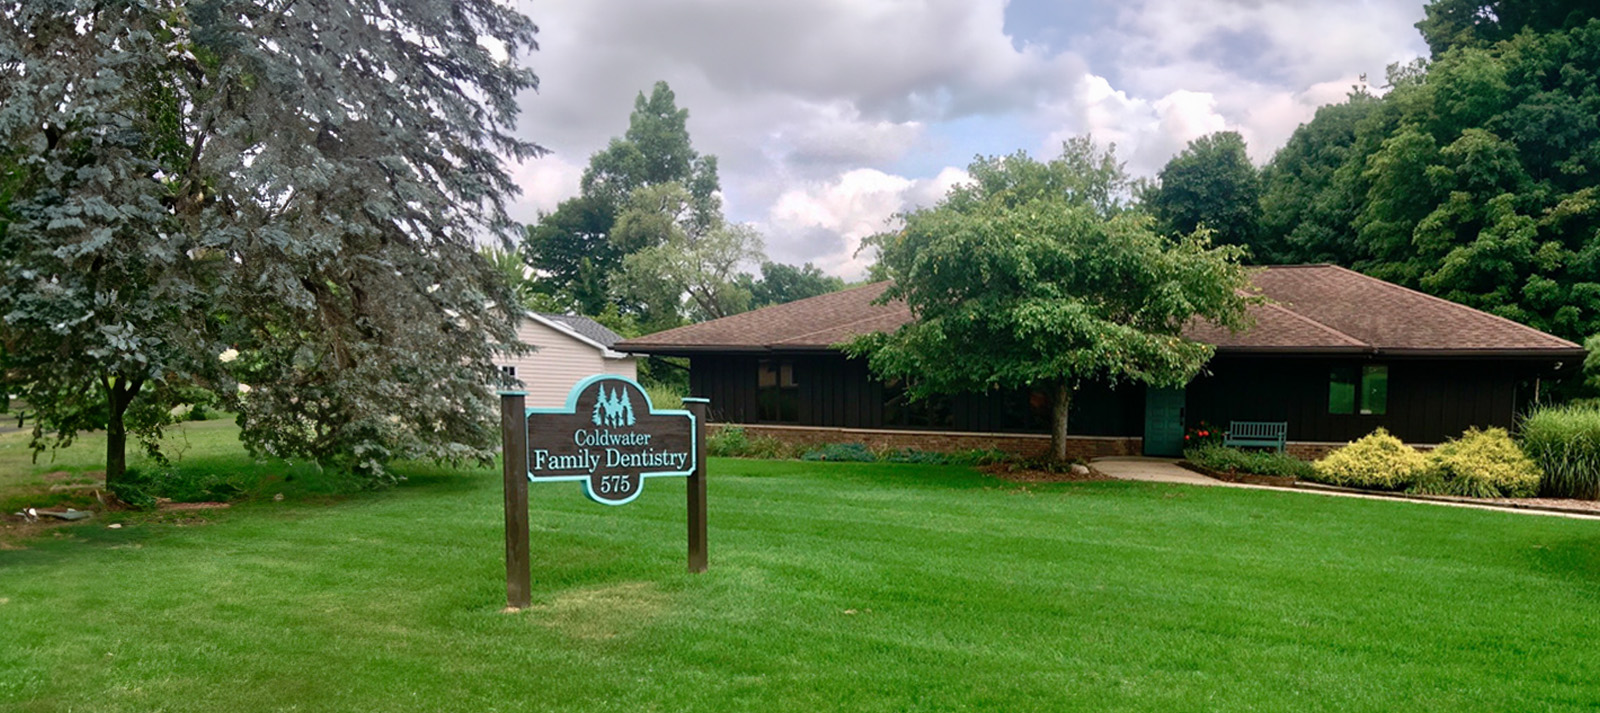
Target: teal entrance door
x,y
1163,422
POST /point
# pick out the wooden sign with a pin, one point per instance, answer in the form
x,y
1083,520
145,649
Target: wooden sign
x,y
610,437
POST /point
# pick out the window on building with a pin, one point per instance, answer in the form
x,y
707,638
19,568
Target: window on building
x,y
777,392
1359,389
900,411
510,371
1027,410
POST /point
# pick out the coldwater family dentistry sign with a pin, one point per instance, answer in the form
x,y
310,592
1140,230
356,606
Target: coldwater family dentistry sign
x,y
608,437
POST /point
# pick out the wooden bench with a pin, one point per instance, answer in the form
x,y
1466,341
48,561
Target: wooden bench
x,y
1256,434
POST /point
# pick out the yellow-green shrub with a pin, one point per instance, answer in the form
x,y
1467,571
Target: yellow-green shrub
x,y
1481,464
1379,461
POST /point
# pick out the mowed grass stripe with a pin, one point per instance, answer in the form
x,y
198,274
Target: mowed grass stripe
x,y
967,593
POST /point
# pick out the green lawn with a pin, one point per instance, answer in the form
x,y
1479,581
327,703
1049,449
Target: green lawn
x,y
832,587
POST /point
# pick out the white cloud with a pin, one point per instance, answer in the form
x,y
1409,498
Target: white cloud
x,y
824,222
828,116
545,182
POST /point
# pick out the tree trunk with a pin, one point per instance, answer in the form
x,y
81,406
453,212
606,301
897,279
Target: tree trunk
x,y
1058,421
118,395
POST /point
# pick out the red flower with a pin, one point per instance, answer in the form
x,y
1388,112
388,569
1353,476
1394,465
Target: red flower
x,y
1203,434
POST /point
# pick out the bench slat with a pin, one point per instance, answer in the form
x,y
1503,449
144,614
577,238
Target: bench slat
x,y
1257,434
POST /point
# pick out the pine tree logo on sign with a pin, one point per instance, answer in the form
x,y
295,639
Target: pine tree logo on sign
x,y
615,410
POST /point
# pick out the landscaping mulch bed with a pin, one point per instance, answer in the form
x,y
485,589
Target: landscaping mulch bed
x,y
170,506
1557,504
1023,474
1280,481
1560,505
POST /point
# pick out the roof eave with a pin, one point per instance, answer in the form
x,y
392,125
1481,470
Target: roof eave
x,y
1551,353
690,349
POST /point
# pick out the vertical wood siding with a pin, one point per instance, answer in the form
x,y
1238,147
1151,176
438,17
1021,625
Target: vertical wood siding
x,y
1428,401
840,392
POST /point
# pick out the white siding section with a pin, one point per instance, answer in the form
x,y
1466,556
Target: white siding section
x,y
560,361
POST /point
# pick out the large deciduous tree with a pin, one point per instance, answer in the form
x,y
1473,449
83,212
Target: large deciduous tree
x,y
1038,275
1473,178
1211,183
273,200
687,263
576,249
1480,23
780,283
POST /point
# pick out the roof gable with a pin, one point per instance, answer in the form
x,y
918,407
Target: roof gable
x,y
581,329
586,326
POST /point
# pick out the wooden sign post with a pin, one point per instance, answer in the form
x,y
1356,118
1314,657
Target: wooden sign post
x,y
612,439
514,469
697,487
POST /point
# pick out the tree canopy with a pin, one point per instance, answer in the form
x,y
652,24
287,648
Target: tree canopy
x,y
646,239
1213,184
1473,178
1475,23
578,250
1038,274
273,201
780,283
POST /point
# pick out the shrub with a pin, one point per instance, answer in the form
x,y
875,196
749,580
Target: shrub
x,y
727,442
1564,442
733,442
140,488
912,455
844,452
770,448
1233,460
1379,461
1480,464
1202,435
975,456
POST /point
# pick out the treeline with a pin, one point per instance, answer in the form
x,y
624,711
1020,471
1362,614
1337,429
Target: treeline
x,y
1474,177
645,245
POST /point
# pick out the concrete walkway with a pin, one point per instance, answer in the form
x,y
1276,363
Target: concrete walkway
x,y
1167,470
1151,470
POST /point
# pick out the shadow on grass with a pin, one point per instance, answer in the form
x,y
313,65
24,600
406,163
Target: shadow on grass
x,y
306,491
908,476
1574,558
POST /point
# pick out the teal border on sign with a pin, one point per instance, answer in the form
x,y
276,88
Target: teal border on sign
x,y
571,409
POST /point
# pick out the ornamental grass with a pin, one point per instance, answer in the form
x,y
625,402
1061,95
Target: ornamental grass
x,y
1565,442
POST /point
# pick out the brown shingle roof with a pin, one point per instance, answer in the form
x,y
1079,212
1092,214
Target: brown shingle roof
x,y
816,322
1314,309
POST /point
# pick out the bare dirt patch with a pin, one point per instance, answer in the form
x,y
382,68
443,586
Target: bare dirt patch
x,y
15,532
603,613
88,477
184,507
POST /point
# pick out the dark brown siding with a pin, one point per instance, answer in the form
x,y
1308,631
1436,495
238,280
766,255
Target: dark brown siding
x,y
840,392
730,383
1429,400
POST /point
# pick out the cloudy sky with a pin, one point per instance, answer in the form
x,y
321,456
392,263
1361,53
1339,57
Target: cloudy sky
x,y
829,116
